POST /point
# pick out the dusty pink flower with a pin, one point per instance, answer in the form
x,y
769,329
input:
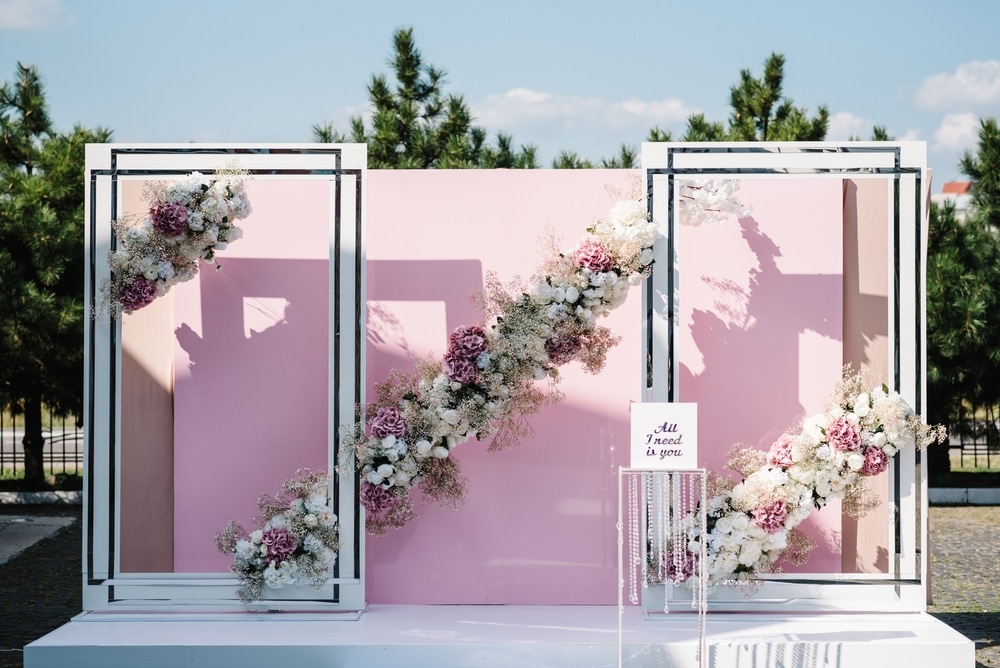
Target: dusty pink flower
x,y
678,573
770,517
780,454
876,462
467,341
460,369
376,499
387,421
170,220
140,292
562,349
844,435
591,255
280,544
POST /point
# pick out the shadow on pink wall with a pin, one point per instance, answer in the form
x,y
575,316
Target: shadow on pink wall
x,y
251,405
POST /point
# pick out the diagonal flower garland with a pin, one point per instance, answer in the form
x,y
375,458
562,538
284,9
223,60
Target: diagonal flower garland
x,y
486,383
189,220
752,525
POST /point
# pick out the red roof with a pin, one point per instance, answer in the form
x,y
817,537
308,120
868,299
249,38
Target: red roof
x,y
956,187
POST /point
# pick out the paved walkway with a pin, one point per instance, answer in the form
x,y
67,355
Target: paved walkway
x,y
41,590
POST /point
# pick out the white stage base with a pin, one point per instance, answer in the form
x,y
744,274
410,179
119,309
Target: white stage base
x,y
499,637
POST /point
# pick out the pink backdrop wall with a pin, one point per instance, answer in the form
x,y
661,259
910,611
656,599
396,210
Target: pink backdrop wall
x,y
761,326
250,399
539,524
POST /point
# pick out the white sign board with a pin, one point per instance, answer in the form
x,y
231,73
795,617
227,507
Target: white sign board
x,y
664,436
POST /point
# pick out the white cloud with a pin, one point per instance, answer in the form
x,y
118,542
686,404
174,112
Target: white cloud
x,y
32,14
590,126
520,107
975,84
957,132
844,124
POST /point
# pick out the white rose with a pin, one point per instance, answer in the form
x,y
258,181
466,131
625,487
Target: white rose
x,y
750,553
310,520
257,536
861,405
439,451
423,447
572,294
856,461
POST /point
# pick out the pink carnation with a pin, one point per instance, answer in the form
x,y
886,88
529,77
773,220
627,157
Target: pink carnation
x,y
170,220
770,518
591,255
780,454
387,421
376,499
140,292
280,544
467,342
460,369
562,349
876,462
844,435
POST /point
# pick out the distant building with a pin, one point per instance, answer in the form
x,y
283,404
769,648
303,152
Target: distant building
x,y
957,192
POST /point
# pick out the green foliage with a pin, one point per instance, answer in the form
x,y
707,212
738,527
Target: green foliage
x,y
627,158
963,291
760,112
879,133
41,260
658,135
983,169
414,125
570,160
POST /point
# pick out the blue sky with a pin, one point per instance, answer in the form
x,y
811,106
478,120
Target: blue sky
x,y
564,75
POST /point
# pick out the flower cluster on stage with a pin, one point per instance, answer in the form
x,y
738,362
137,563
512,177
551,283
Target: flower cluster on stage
x,y
295,540
486,382
752,524
189,220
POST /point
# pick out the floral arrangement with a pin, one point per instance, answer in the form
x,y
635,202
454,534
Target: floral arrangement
x,y
189,220
711,201
486,382
752,524
295,540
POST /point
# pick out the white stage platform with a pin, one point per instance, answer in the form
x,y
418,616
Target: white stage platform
x,y
499,637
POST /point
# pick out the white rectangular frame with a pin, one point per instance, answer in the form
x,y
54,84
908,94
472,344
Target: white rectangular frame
x,y
344,166
904,166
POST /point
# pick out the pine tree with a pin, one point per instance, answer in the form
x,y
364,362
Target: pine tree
x,y
414,125
963,293
760,112
41,262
